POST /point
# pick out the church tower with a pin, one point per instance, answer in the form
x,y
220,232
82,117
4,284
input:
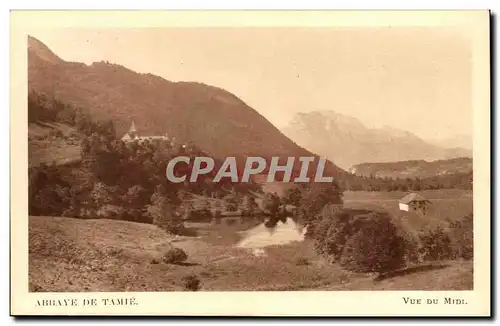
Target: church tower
x,y
132,132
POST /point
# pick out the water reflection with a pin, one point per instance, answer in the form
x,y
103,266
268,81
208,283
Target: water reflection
x,y
262,236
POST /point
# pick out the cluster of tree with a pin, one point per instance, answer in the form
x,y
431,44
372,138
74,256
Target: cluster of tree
x,y
360,240
448,181
454,242
303,203
45,109
369,241
364,240
127,181
49,193
163,210
121,180
42,108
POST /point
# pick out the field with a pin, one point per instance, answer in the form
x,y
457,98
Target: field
x,y
67,254
52,142
446,205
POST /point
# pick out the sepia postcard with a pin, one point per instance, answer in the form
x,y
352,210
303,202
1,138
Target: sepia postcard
x,y
250,163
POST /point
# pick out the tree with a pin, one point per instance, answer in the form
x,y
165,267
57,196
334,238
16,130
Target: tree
x,y
106,128
232,201
271,203
187,208
67,115
203,212
218,206
163,215
374,247
329,235
314,200
48,193
136,196
249,205
360,240
205,204
435,244
462,237
175,256
101,194
411,245
83,123
191,283
47,202
416,185
271,206
293,196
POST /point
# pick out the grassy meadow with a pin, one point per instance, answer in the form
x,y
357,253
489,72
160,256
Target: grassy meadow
x,y
446,205
52,142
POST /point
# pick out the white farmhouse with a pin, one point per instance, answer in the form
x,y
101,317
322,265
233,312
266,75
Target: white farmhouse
x,y
413,202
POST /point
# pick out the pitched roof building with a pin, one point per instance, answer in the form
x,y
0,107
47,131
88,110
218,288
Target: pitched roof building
x,y
414,202
133,135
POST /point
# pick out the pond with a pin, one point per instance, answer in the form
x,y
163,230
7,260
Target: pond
x,y
262,236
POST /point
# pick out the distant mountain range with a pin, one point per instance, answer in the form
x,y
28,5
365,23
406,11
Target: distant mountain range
x,y
413,169
346,141
458,141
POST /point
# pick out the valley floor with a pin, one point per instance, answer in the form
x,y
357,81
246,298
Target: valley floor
x,y
67,254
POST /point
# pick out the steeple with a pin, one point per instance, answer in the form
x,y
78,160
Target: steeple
x,y
132,132
132,128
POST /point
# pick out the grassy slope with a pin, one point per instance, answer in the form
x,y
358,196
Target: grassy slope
x,y
105,255
452,276
43,148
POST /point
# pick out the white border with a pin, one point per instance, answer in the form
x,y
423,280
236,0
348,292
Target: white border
x,y
190,4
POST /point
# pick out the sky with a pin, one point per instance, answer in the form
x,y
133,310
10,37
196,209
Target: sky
x,y
412,78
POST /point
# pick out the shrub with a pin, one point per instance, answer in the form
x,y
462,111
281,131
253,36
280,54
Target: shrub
x,y
232,202
175,256
334,229
48,191
411,248
360,240
320,235
163,216
191,283
301,261
249,206
375,245
175,227
101,194
269,223
462,238
435,244
271,203
136,196
313,200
